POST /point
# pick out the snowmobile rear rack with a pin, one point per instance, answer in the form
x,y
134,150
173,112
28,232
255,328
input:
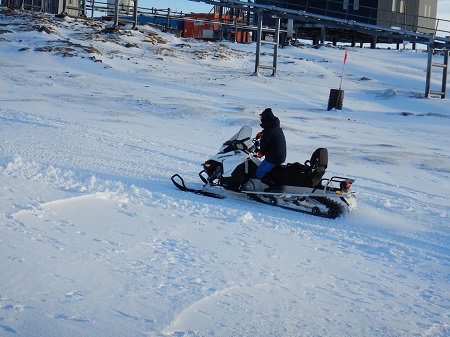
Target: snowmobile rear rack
x,y
343,182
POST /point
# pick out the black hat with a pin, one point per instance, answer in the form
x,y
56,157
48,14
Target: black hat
x,y
266,112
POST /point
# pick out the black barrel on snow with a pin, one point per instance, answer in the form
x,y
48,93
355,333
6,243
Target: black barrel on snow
x,y
336,99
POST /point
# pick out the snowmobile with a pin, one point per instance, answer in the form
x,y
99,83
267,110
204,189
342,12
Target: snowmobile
x,y
295,186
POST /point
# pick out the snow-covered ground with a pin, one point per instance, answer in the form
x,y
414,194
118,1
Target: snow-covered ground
x,y
95,240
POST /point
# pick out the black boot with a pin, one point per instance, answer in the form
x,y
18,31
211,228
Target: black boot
x,y
273,186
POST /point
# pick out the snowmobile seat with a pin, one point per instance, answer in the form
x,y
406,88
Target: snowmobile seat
x,y
308,174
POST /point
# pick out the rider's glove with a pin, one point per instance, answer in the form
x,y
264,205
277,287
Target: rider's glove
x,y
260,155
259,135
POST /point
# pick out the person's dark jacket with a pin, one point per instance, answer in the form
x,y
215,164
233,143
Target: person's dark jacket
x,y
272,143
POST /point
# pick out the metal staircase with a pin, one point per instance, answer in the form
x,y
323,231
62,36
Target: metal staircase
x,y
442,66
275,43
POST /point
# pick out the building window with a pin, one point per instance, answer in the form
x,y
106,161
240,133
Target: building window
x,y
345,5
394,5
427,11
402,6
355,5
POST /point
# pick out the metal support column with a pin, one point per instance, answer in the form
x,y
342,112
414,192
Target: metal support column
x,y
322,34
116,14
83,9
444,76
167,26
258,42
135,14
276,44
64,9
430,49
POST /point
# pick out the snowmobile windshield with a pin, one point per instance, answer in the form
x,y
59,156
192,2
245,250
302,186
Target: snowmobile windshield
x,y
244,136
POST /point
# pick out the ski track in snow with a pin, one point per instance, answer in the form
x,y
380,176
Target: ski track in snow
x,y
95,239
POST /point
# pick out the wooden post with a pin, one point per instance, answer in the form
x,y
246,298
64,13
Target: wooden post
x,y
168,20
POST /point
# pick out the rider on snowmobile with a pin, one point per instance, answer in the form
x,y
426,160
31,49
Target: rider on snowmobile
x,y
272,143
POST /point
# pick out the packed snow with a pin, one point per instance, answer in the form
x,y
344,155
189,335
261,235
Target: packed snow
x,y
95,240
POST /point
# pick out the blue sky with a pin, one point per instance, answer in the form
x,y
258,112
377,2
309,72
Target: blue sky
x,y
443,13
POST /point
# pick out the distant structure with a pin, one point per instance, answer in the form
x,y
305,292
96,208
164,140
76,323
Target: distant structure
x,y
414,15
124,5
215,26
417,16
69,7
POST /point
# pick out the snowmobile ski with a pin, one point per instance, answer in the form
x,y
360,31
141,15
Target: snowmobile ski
x,y
182,186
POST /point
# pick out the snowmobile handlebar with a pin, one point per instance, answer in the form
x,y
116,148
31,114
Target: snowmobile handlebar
x,y
255,147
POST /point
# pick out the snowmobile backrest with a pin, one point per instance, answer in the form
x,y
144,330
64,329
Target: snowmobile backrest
x,y
319,159
319,163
